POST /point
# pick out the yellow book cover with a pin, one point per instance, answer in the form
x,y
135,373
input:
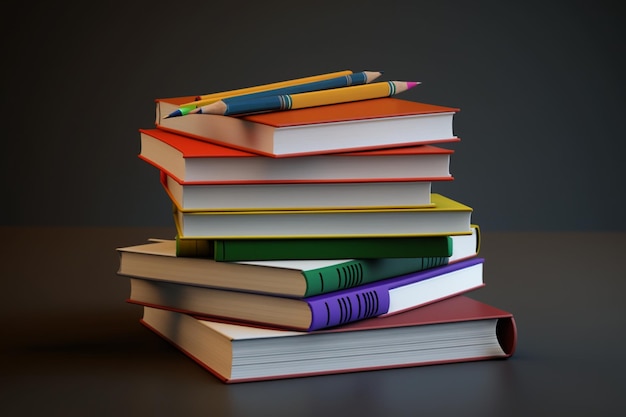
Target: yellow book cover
x,y
445,217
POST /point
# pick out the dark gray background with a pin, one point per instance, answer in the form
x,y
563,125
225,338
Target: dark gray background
x,y
540,85
542,92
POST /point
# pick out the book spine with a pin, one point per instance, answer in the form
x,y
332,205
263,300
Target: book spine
x,y
287,249
506,332
371,248
340,309
362,271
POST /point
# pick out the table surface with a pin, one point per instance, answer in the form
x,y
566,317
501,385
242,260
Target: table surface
x,y
72,346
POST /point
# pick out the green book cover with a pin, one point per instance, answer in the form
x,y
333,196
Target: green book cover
x,y
230,250
358,272
290,278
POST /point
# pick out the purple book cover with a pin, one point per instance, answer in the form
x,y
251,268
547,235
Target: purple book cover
x,y
369,300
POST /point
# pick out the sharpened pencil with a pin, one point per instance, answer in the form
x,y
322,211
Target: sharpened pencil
x,y
309,99
277,84
358,78
210,98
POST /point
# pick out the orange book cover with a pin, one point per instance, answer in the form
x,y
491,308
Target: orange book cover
x,y
344,112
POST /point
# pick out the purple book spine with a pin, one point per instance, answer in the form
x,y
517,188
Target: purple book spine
x,y
348,306
369,300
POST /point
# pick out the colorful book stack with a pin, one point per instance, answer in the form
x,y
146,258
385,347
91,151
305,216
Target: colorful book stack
x,y
309,240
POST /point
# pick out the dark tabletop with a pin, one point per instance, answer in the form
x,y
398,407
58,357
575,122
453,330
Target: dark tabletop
x,y
72,346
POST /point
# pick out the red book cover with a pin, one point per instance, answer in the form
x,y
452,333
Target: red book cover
x,y
190,161
342,112
358,125
456,310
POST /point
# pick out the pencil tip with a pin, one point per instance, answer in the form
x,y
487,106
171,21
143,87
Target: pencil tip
x,y
411,84
174,114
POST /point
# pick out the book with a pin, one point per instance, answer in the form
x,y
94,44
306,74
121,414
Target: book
x,y
358,125
191,161
459,329
297,196
446,217
290,278
330,248
388,296
224,250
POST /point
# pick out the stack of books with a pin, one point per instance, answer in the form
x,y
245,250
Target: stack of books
x,y
309,242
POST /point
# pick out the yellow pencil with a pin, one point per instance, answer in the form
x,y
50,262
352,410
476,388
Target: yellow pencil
x,y
342,95
294,86
310,99
224,94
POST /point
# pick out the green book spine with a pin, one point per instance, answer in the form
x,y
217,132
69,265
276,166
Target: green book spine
x,y
362,271
362,248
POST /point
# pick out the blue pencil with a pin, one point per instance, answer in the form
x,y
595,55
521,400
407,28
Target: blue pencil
x,y
240,106
335,82
358,78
